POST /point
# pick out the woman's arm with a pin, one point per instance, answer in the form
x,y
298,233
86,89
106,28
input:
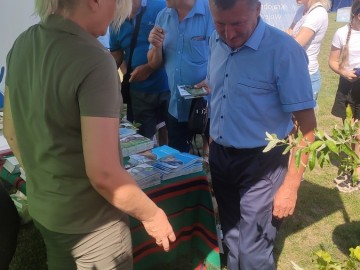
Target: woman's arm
x,y
110,180
304,36
334,64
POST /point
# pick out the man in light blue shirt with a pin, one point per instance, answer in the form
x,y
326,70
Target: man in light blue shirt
x,y
179,41
259,81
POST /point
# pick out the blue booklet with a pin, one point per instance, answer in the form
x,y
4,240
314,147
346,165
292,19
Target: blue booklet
x,y
164,151
175,162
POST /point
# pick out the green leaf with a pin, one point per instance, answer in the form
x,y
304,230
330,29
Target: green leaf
x,y
315,145
287,149
332,146
356,253
270,146
298,158
349,113
312,160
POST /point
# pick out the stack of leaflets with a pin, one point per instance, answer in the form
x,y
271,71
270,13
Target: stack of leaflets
x,y
197,166
12,165
168,161
178,164
145,175
151,155
141,158
126,129
163,151
189,91
136,143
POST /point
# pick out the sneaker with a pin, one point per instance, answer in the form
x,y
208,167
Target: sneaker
x,y
341,178
347,186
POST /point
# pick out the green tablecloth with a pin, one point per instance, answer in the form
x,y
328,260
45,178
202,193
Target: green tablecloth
x,y
188,204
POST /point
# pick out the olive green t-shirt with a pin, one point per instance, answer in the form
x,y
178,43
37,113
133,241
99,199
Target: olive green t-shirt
x,y
57,72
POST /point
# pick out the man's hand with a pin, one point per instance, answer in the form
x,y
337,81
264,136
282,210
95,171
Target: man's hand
x,y
204,85
159,228
285,201
157,36
141,73
286,196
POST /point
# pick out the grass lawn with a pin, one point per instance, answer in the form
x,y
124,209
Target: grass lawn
x,y
324,217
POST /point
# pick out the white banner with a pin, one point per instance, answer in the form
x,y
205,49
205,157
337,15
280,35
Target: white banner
x,y
279,13
15,17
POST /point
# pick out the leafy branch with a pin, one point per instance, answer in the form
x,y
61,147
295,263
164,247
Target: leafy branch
x,y
324,261
337,148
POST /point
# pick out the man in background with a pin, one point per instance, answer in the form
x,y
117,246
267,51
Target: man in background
x,y
180,42
149,90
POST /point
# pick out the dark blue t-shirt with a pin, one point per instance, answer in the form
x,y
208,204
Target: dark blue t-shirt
x,y
120,40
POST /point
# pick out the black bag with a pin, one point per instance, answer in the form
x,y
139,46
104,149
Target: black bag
x,y
198,116
125,88
125,84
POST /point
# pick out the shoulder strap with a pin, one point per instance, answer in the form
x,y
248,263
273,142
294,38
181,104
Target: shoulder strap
x,y
311,9
135,35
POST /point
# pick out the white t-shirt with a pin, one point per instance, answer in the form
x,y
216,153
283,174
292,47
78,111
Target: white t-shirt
x,y
339,41
315,19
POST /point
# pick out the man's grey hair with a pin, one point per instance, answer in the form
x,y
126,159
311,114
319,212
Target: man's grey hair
x,y
44,8
228,4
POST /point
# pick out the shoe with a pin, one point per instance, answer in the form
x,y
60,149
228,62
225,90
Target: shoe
x,y
347,186
341,178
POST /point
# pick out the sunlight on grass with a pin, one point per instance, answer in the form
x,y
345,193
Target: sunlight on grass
x,y
324,217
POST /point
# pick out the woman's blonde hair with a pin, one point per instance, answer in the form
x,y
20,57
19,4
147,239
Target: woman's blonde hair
x,y
326,4
344,56
44,8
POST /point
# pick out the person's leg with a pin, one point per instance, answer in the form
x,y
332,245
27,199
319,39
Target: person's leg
x,y
108,248
9,228
228,201
162,114
206,141
144,106
162,134
355,100
316,84
129,113
179,137
258,227
244,183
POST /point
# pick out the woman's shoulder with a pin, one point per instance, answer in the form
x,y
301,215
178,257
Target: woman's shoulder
x,y
342,31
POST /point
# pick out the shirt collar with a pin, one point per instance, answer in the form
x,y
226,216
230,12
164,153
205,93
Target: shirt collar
x,y
198,8
63,24
255,39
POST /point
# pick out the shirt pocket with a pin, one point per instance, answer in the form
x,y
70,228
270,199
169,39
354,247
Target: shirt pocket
x,y
199,49
256,87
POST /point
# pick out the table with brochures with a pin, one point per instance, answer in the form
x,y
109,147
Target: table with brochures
x,y
187,202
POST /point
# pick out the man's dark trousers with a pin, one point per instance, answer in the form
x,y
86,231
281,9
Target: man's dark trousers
x,y
245,182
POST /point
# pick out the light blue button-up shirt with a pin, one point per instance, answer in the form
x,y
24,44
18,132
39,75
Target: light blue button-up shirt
x,y
256,88
186,49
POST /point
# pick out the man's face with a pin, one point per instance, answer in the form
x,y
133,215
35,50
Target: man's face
x,y
171,3
135,6
235,25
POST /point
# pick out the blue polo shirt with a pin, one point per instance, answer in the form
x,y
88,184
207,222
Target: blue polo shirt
x,y
256,88
121,40
186,50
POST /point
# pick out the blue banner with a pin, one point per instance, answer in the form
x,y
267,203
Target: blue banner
x,y
279,13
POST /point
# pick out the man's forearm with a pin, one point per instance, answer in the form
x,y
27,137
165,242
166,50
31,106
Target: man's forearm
x,y
155,57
